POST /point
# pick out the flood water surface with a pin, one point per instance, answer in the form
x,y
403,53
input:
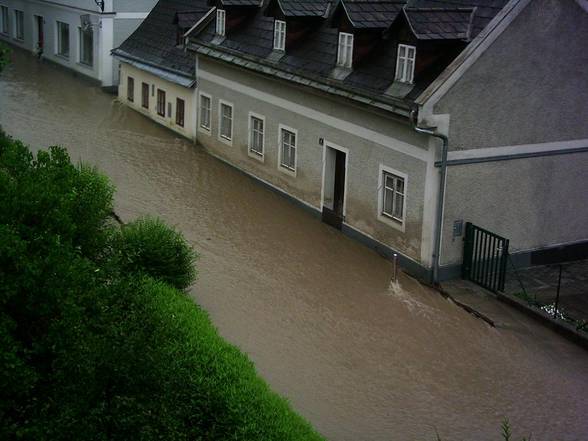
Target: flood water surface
x,y
313,309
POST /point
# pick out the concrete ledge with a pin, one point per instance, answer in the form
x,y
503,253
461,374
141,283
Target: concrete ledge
x,y
562,328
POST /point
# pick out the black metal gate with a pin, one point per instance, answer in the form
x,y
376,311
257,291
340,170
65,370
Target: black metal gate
x,y
484,258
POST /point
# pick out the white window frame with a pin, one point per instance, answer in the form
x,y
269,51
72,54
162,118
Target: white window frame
x,y
221,138
345,50
404,73
395,222
4,20
202,128
221,21
281,167
59,41
253,153
81,45
17,27
279,35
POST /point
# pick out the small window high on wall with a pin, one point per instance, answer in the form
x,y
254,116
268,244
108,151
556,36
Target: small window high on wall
x,y
221,16
345,52
405,63
279,35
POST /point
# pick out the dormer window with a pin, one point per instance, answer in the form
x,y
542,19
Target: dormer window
x,y
405,63
345,52
279,35
221,15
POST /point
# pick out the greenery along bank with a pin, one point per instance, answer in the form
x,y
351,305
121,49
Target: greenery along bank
x,y
97,339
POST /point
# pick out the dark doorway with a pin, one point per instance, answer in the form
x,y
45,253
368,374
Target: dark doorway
x,y
334,190
40,34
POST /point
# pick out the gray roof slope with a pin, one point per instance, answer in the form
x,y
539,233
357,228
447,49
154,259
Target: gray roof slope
x,y
241,2
372,14
304,8
154,41
441,23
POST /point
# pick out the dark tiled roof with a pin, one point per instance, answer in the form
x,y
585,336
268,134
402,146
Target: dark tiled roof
x,y
187,19
304,8
440,23
372,14
241,2
154,41
486,10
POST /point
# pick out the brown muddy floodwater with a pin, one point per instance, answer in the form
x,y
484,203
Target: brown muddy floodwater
x,y
312,308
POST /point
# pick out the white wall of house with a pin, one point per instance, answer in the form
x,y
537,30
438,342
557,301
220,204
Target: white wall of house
x,y
111,27
374,142
172,93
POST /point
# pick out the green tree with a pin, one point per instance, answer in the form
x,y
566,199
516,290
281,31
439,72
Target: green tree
x,y
4,56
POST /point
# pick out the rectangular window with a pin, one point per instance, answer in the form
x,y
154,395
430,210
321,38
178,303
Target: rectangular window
x,y
205,112
145,95
256,129
160,102
19,25
63,39
345,52
393,195
279,35
131,89
221,15
86,47
405,63
226,121
288,149
4,17
180,112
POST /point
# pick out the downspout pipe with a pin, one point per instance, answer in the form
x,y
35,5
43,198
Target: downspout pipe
x,y
440,201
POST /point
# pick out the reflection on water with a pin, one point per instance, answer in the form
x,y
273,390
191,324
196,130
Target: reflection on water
x,y
361,359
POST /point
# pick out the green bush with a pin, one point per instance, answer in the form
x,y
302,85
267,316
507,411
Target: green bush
x,y
90,350
151,247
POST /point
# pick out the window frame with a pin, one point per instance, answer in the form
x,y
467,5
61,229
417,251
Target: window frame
x,y
157,101
387,218
18,28
280,27
58,46
180,121
81,50
130,89
344,58
5,19
222,138
282,167
221,22
205,129
144,96
254,153
405,76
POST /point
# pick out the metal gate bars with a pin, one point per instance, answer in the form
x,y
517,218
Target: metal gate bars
x,y
484,258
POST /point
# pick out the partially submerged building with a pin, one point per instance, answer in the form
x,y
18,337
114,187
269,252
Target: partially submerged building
x,y
75,34
395,121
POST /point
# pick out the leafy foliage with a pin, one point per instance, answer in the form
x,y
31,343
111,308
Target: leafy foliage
x,y
96,341
4,56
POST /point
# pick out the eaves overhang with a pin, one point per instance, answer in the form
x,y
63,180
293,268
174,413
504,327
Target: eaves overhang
x,y
168,74
401,108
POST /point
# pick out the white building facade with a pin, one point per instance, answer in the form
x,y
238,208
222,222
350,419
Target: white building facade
x,y
76,34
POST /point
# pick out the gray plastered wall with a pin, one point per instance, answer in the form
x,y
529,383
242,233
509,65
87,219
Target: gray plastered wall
x,y
534,202
365,155
531,84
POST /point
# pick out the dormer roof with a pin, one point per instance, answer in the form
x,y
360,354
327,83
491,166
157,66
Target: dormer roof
x,y
304,8
187,19
441,23
372,14
253,3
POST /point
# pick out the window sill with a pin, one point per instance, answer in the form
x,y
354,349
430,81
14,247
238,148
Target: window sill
x,y
287,170
256,155
85,65
62,57
391,221
204,130
225,140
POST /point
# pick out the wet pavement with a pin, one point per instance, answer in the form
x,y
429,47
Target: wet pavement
x,y
361,359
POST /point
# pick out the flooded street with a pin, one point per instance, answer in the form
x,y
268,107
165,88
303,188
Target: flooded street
x,y
312,308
